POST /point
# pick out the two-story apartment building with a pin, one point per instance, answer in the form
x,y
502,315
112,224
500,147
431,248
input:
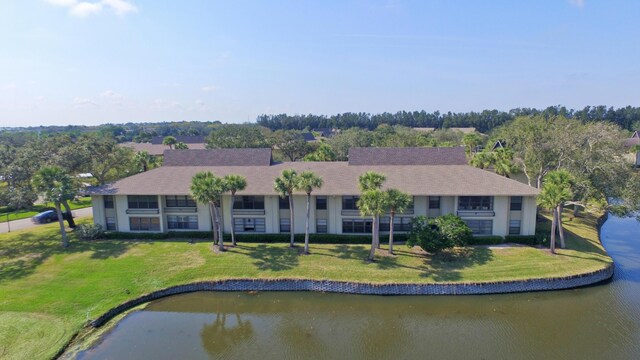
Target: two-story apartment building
x,y
438,179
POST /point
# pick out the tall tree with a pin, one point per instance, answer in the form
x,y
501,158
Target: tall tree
x,y
237,136
55,186
234,183
307,182
373,203
370,183
285,185
105,159
208,188
324,152
397,202
555,192
291,143
145,160
169,141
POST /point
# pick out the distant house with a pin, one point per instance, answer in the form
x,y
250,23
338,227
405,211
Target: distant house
x,y
156,148
633,141
308,137
498,145
325,132
439,181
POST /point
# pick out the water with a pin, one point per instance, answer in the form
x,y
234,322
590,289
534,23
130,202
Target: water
x,y
590,323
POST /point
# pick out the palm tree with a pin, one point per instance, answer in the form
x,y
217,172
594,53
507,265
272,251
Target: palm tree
x,y
397,201
372,181
56,186
373,203
169,140
285,185
502,161
556,190
145,160
208,188
234,184
181,146
308,181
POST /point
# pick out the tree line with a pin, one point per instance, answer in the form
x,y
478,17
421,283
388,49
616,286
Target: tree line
x,y
626,117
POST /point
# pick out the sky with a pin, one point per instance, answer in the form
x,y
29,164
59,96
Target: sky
x,y
88,62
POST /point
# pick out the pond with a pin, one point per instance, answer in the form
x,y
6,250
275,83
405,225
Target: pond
x,y
589,323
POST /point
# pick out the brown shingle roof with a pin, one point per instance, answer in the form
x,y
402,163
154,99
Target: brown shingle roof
x,y
218,157
408,156
339,179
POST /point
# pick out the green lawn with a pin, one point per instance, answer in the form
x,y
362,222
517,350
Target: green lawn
x,y
82,202
47,293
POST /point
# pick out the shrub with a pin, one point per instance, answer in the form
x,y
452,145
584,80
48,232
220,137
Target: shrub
x,y
442,233
89,231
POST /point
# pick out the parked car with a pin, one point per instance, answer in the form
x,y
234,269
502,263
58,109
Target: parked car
x,y
45,217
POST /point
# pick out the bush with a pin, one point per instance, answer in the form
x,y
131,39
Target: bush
x,y
442,233
89,231
486,240
530,240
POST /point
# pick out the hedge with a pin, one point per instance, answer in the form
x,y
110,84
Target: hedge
x,y
530,240
256,238
486,240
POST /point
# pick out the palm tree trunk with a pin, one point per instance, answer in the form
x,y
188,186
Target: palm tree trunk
x,y
72,224
219,228
391,217
560,228
291,220
233,230
377,232
372,253
552,241
306,228
213,223
65,241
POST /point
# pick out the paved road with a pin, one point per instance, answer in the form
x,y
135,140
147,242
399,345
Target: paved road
x,y
27,223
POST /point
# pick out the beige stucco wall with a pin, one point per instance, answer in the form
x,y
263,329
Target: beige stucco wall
x,y
448,204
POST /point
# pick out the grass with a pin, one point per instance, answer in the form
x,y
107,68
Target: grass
x,y
81,203
47,293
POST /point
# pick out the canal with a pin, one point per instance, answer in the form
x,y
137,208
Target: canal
x,y
589,323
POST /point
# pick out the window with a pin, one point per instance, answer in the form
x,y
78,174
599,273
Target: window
x,y
516,203
321,225
111,223
400,223
514,227
249,203
434,202
182,222
356,226
480,227
144,223
248,224
475,203
142,201
108,201
283,202
350,202
179,201
321,203
285,225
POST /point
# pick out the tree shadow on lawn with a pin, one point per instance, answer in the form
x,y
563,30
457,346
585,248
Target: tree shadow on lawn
x,y
274,258
22,253
446,266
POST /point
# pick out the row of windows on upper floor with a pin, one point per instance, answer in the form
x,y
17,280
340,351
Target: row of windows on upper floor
x,y
465,203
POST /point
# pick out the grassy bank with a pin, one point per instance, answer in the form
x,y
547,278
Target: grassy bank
x,y
47,293
36,209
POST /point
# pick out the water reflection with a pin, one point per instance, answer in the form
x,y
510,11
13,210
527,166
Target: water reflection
x,y
589,323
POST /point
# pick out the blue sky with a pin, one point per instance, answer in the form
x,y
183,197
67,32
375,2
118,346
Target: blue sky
x,y
97,61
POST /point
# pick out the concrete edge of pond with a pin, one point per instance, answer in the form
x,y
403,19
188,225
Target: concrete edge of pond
x,y
345,287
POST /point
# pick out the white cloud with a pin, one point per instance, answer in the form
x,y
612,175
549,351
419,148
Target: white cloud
x,y
80,102
577,3
209,88
120,7
112,95
10,86
86,8
39,98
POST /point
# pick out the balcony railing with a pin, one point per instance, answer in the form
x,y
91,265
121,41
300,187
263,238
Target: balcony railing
x,y
181,210
476,213
248,211
143,211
